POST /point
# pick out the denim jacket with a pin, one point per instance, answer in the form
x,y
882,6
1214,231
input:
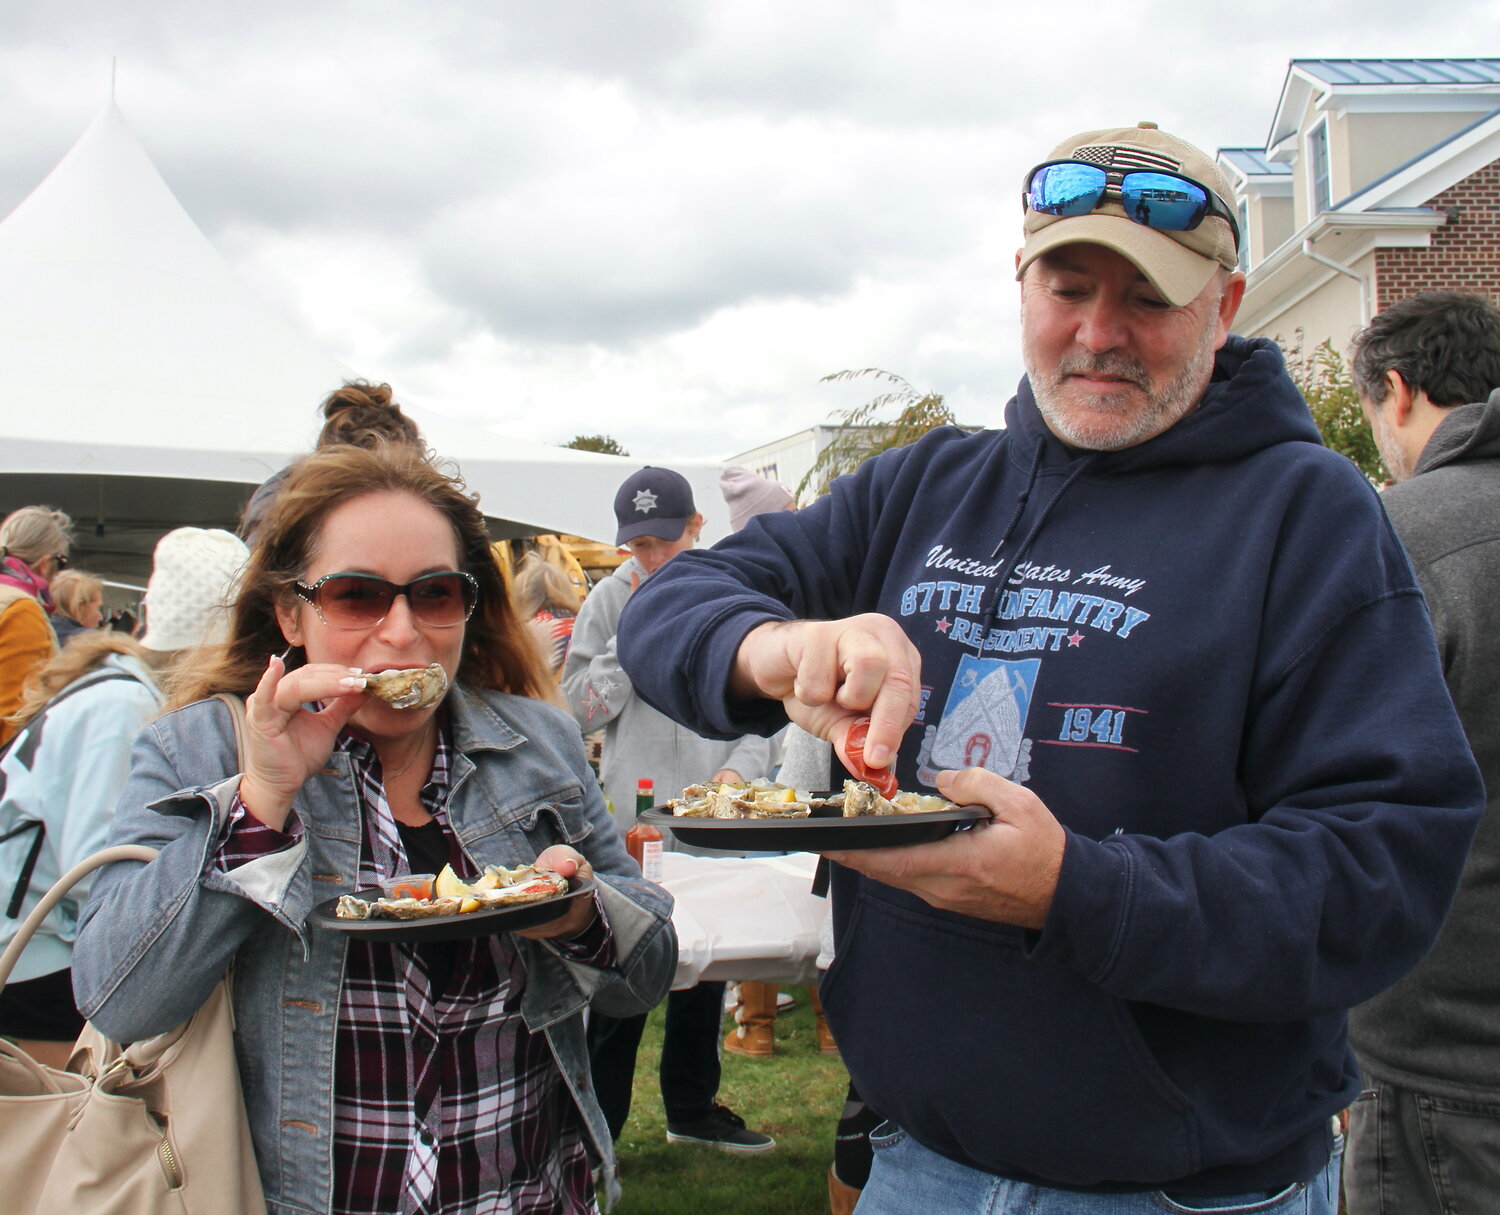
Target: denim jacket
x,y
155,938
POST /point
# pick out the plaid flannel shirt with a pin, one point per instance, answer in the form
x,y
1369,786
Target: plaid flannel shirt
x,y
445,1103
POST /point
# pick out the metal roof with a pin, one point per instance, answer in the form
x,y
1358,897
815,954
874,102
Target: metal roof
x,y
1402,71
1252,162
1454,78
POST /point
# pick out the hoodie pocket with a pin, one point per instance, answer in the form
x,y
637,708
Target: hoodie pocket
x,y
997,1061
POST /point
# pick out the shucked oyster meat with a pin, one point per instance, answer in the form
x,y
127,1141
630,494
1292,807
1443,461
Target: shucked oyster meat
x,y
411,688
859,799
496,887
740,801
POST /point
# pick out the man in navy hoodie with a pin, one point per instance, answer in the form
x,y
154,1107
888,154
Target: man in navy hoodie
x,y
1172,644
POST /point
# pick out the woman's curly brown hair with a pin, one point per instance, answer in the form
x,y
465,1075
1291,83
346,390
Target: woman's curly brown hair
x,y
497,654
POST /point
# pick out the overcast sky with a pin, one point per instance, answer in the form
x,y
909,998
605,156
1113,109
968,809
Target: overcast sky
x,y
659,219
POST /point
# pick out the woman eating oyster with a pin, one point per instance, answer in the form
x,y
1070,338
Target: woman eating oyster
x,y
436,1077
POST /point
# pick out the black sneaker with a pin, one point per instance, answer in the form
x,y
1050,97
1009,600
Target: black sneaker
x,y
722,1129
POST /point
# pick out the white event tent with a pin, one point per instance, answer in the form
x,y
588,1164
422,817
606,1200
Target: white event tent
x,y
143,386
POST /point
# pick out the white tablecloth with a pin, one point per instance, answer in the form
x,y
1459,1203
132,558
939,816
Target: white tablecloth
x,y
749,918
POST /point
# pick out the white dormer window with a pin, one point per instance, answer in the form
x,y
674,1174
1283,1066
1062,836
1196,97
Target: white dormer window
x,y
1321,197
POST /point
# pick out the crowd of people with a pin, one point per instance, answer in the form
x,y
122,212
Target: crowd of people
x,y
1223,942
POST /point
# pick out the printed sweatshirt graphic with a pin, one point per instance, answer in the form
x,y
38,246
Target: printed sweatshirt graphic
x,y
1208,656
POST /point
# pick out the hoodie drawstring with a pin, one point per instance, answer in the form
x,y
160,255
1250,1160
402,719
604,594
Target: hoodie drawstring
x,y
1036,465
1080,466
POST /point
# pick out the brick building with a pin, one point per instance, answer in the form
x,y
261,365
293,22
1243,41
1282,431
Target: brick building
x,y
1380,178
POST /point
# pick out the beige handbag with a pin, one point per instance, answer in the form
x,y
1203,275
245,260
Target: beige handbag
x,y
154,1128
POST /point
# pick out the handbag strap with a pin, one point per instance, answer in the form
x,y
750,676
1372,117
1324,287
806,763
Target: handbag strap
x,y
22,744
59,891
105,856
236,707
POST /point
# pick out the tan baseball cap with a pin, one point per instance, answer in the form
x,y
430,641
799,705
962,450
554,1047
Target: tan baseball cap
x,y
1178,264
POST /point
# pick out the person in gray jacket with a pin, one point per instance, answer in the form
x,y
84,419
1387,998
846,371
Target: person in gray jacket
x,y
433,1075
657,519
1424,1135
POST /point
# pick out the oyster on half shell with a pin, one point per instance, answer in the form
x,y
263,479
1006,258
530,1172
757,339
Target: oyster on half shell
x,y
411,688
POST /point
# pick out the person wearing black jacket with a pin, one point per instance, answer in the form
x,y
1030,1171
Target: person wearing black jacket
x,y
1424,1135
1172,644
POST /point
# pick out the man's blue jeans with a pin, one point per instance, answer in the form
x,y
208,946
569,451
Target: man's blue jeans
x,y
907,1179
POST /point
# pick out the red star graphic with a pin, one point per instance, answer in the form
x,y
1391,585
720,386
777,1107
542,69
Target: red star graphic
x,y
1074,638
944,625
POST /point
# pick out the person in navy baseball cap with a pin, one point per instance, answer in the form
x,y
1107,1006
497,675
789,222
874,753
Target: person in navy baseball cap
x,y
654,502
658,522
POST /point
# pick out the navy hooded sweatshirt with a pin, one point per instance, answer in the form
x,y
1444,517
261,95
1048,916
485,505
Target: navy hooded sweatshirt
x,y
1209,658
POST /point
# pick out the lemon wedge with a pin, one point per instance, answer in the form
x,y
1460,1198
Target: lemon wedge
x,y
449,885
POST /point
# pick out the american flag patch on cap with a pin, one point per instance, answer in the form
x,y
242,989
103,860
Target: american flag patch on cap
x,y
1124,159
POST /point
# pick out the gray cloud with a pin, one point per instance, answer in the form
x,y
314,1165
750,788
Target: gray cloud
x,y
648,191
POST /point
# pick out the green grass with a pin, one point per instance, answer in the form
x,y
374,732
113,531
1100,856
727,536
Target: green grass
x,y
796,1097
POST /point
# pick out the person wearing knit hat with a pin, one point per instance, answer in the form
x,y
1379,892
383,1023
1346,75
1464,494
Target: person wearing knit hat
x,y
34,543
58,788
192,583
748,495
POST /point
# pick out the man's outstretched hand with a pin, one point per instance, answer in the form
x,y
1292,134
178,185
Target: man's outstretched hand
x,y
827,672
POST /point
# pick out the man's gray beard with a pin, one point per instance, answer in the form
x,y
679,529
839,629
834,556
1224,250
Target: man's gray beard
x,y
1162,411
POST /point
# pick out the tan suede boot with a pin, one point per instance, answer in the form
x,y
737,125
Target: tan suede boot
x,y
841,1197
753,1034
826,1044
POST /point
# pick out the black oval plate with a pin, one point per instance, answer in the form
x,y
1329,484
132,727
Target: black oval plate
x,y
828,833
482,923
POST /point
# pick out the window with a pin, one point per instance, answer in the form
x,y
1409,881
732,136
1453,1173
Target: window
x,y
1317,155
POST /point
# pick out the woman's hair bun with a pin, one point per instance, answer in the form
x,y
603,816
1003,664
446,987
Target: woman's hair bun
x,y
361,414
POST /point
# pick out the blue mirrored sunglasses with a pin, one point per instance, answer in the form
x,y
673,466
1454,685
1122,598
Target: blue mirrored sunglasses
x,y
1156,199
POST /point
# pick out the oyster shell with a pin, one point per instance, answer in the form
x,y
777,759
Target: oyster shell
x,y
526,885
859,799
920,803
496,887
350,908
740,801
412,909
410,688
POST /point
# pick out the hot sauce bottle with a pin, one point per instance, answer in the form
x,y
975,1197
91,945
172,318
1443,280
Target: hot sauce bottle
x,y
851,750
643,841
